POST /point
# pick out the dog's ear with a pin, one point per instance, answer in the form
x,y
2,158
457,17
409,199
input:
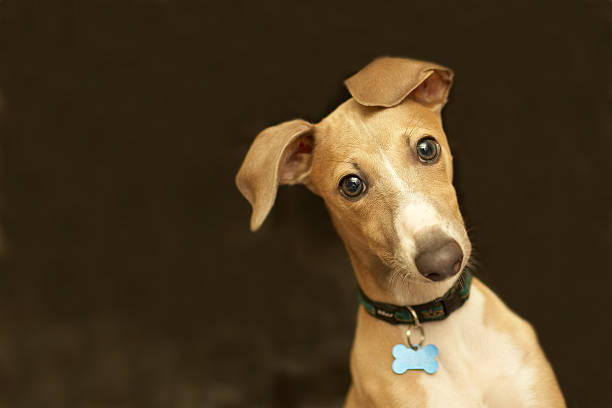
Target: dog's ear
x,y
280,154
388,81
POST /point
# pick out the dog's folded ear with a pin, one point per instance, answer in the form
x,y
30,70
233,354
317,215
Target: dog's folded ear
x,y
388,81
280,154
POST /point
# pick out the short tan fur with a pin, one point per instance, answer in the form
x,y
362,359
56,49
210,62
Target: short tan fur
x,y
489,357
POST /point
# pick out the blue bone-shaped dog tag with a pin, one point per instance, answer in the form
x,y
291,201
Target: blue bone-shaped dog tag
x,y
419,359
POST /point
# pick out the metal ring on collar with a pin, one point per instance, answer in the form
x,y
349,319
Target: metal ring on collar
x,y
415,327
410,332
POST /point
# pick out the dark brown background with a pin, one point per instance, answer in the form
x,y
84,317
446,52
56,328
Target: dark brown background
x,y
128,275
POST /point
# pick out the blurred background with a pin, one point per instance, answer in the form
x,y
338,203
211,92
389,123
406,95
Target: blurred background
x,y
128,275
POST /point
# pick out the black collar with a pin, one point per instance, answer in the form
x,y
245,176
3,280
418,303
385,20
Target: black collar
x,y
437,309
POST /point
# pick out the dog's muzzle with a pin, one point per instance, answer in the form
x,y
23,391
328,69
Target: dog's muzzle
x,y
438,256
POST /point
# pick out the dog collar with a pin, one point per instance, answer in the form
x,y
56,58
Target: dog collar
x,y
437,309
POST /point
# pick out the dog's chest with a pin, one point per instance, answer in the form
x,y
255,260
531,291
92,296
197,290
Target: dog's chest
x,y
479,366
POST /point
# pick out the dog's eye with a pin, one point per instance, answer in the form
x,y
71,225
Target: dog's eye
x,y
428,150
351,186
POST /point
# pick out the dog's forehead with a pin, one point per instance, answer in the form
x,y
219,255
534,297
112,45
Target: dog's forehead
x,y
352,124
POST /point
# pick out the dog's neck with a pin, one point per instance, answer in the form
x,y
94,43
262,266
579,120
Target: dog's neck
x,y
383,284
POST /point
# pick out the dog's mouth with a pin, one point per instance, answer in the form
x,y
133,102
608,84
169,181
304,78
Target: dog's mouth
x,y
436,277
409,271
440,276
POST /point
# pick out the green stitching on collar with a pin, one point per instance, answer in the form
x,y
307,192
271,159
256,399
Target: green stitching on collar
x,y
437,309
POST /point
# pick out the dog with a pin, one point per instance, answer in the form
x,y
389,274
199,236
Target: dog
x,y
383,166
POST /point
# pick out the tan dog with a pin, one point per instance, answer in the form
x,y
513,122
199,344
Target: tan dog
x,y
382,164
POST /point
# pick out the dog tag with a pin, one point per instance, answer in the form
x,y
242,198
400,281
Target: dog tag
x,y
406,358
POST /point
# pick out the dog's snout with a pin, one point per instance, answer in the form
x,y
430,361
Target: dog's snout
x,y
438,256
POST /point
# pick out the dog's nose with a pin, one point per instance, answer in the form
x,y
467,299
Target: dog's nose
x,y
438,257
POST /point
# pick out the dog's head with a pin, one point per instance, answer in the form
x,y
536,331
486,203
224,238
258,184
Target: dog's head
x,y
382,164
